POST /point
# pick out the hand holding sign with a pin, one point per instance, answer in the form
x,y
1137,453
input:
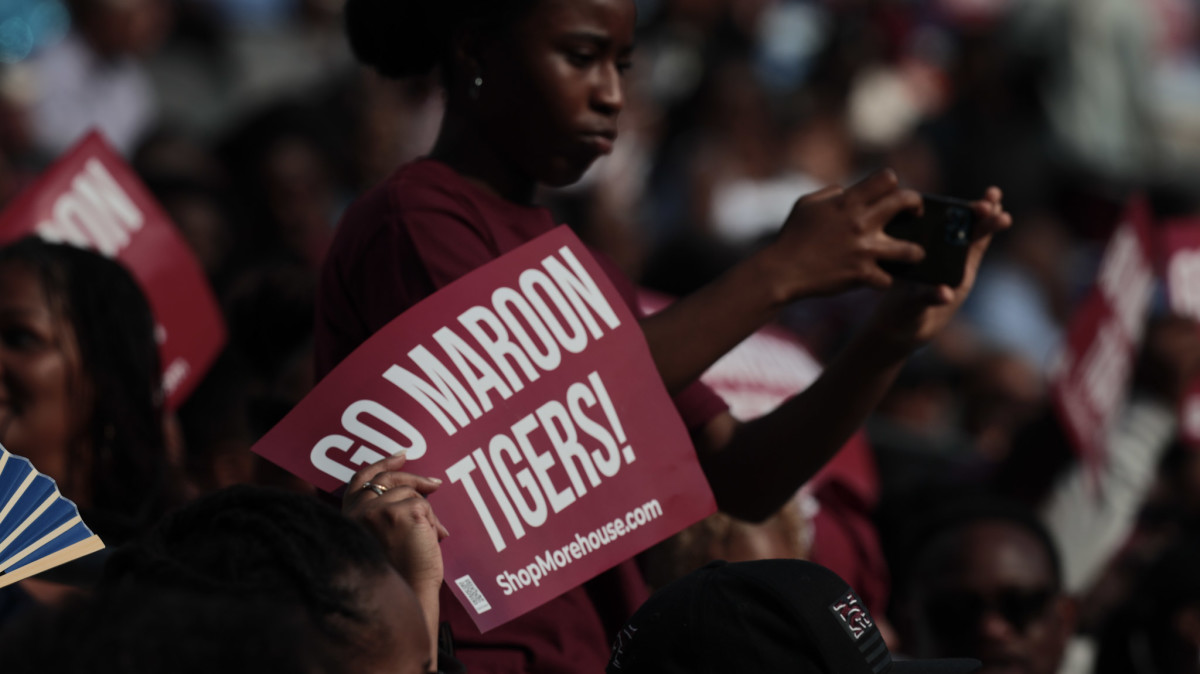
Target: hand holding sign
x,y
526,386
392,505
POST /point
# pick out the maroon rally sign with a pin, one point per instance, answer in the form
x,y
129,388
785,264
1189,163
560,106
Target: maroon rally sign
x,y
1179,242
92,199
527,387
1092,375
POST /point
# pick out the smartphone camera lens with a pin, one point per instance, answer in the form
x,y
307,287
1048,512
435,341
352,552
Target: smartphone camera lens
x,y
958,226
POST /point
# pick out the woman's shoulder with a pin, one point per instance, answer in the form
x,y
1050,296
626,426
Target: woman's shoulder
x,y
426,178
419,195
426,198
418,185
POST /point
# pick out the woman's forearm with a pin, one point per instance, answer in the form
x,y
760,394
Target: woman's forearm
x,y
758,465
833,240
691,334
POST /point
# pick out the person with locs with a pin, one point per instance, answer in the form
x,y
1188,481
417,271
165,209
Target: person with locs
x,y
533,93
264,545
81,399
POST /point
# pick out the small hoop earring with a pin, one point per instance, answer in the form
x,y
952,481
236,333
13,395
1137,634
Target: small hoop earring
x,y
476,85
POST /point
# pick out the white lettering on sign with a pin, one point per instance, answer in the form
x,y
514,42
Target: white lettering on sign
x,y
551,561
455,396
558,307
1183,279
357,420
367,422
1105,370
1127,281
174,375
445,395
95,213
524,472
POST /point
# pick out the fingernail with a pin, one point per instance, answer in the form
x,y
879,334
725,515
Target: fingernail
x,y
434,480
402,454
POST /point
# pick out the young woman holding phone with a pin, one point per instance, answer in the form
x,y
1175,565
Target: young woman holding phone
x,y
533,93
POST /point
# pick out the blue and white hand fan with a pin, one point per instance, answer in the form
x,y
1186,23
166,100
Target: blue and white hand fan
x,y
39,528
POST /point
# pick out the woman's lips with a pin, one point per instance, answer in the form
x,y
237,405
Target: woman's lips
x,y
601,141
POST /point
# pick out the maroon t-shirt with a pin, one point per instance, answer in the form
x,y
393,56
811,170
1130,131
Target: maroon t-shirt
x,y
422,228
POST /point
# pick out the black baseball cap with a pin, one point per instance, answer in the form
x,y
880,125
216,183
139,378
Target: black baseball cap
x,y
774,615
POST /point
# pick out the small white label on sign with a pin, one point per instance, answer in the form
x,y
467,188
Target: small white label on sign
x,y
473,594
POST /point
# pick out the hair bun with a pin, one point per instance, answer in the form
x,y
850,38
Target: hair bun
x,y
399,38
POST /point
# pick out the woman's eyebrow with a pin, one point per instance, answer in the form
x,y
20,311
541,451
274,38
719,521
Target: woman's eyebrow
x,y
599,38
586,35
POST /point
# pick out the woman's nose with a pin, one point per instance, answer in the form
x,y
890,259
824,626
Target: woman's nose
x,y
608,94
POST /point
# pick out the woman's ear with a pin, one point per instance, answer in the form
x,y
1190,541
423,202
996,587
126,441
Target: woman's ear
x,y
466,61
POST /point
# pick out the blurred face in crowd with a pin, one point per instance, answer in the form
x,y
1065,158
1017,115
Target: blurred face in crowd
x,y
988,591
117,28
299,193
42,382
395,640
553,86
1004,393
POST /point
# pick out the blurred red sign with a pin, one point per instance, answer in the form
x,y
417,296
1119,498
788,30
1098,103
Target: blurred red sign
x,y
762,372
1091,379
1180,247
92,199
528,388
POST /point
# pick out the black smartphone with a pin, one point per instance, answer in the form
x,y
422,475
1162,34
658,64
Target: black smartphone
x,y
944,229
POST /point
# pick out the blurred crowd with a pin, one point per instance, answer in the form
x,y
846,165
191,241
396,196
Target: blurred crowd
x,y
252,124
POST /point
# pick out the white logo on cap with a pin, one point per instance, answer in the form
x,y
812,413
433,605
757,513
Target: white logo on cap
x,y
618,647
854,615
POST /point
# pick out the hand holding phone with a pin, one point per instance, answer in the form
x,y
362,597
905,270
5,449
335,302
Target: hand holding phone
x,y
944,228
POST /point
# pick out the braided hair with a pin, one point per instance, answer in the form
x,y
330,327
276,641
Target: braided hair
x,y
406,38
131,480
144,629
249,541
